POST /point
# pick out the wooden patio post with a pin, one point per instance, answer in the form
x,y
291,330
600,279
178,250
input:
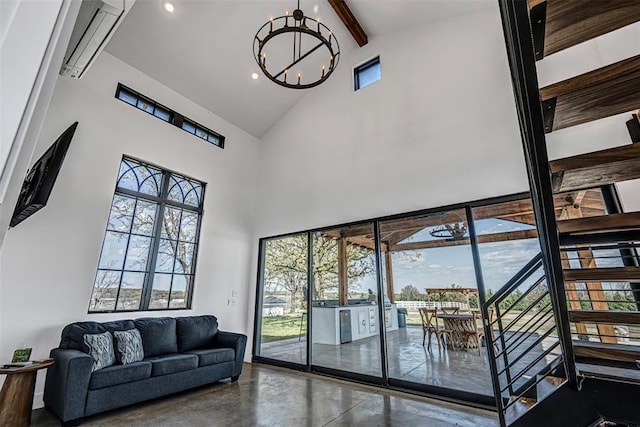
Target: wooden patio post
x,y
343,286
390,288
572,294
597,295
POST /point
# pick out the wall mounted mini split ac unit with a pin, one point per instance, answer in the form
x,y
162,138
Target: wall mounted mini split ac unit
x,y
97,21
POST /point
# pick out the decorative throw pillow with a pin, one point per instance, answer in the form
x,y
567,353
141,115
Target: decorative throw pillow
x,y
100,349
129,346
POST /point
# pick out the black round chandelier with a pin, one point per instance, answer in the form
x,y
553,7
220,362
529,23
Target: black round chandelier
x,y
456,231
312,59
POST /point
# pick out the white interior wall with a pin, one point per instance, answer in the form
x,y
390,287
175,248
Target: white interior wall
x,y
48,262
24,36
440,127
31,37
8,10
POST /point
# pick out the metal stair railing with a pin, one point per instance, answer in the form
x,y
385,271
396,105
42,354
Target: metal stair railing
x,y
522,338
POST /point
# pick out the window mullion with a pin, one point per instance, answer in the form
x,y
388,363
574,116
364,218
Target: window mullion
x,y
175,260
157,231
137,194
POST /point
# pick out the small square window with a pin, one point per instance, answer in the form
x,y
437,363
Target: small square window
x,y
367,73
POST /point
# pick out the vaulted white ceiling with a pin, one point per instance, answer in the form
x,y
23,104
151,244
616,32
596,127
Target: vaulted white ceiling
x,y
204,49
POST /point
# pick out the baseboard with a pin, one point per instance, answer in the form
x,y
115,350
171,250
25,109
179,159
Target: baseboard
x,y
38,400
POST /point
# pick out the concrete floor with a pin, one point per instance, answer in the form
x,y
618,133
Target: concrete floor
x,y
267,396
408,359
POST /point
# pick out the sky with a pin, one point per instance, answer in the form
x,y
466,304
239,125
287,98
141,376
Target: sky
x,y
442,267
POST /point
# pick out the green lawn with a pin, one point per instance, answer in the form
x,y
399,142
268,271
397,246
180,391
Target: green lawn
x,y
278,328
282,327
413,318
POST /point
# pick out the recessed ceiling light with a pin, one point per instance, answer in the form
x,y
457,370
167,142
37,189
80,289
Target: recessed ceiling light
x,y
254,76
168,6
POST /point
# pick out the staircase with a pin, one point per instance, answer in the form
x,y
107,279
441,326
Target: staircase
x,y
565,342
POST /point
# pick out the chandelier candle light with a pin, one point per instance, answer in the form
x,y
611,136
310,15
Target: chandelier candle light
x,y
311,65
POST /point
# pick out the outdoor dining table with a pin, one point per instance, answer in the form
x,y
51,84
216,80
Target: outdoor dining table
x,y
458,324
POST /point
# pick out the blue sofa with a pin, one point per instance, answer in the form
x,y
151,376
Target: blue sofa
x,y
179,353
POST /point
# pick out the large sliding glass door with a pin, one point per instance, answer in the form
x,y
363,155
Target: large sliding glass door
x,y
283,308
346,320
394,301
430,272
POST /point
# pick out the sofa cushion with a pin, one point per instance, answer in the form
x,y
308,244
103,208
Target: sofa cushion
x,y
158,335
73,334
120,374
128,345
100,348
172,363
196,332
213,356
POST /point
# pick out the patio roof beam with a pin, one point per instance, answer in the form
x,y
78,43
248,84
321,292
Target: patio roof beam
x,y
483,238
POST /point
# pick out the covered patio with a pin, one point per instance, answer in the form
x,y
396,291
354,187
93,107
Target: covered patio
x,y
506,224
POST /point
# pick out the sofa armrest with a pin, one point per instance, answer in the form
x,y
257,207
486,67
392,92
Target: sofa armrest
x,y
65,389
238,342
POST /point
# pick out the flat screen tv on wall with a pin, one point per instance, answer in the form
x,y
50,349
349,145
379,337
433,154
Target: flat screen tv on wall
x,y
39,181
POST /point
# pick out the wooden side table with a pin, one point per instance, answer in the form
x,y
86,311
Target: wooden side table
x,y
16,396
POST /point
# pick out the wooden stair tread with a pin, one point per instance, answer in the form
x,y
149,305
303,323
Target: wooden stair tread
x,y
606,351
609,372
599,224
605,316
617,274
601,93
571,22
547,386
596,168
528,401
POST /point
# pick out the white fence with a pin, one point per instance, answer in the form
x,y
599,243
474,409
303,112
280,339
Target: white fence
x,y
414,305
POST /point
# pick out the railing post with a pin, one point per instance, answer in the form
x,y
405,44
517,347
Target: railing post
x,y
520,52
503,346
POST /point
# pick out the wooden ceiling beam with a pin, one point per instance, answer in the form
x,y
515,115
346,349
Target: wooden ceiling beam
x,y
349,21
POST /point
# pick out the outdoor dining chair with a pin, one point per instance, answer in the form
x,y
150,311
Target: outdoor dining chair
x,y
450,310
476,334
430,327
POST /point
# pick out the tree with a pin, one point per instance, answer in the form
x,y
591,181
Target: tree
x,y
285,266
409,293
